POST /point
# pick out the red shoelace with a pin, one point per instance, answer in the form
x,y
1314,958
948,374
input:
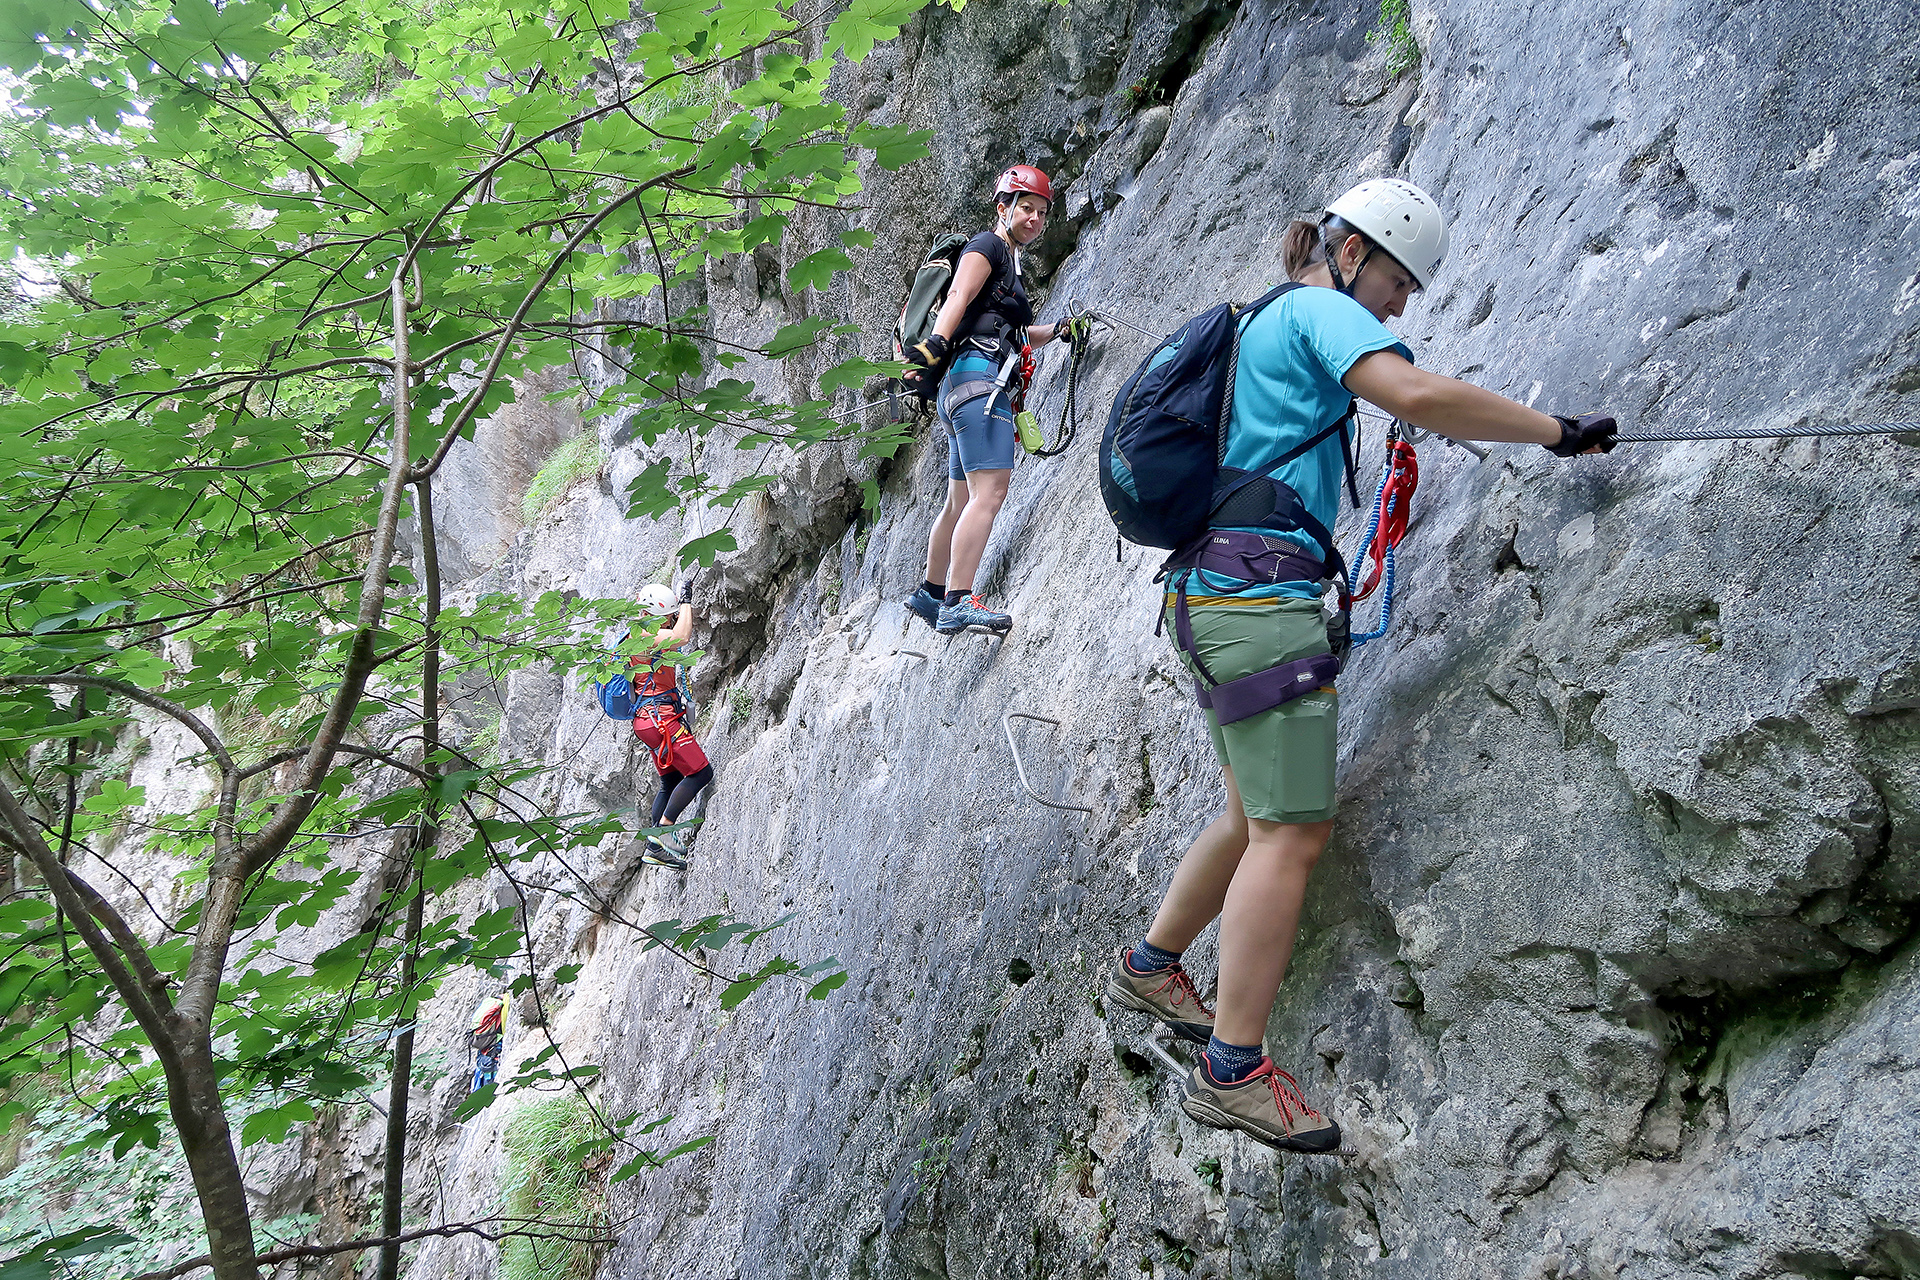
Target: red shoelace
x,y
1286,1096
1183,989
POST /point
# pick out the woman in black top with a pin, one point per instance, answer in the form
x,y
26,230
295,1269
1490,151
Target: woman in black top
x,y
985,321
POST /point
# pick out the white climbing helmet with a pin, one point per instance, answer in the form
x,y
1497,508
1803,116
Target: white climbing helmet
x,y
656,600
1400,218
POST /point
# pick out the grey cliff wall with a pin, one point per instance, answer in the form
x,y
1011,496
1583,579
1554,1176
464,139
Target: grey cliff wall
x,y
1611,968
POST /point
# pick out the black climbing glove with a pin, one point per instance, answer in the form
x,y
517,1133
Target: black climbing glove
x,y
1577,435
1074,331
925,356
930,353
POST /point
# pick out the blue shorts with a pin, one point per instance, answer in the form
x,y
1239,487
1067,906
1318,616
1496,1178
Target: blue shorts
x,y
976,442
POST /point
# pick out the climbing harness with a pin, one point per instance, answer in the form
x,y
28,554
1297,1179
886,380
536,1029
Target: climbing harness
x,y
1006,722
1386,526
1253,558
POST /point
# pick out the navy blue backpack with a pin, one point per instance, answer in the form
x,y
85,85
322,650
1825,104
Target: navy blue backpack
x,y
1160,457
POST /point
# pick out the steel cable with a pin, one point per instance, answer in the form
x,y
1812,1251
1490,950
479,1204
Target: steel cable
x,y
1771,433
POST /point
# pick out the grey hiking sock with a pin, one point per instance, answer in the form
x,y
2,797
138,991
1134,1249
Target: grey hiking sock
x,y
1231,1063
1144,957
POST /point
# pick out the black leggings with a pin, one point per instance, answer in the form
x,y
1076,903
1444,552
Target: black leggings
x,y
677,791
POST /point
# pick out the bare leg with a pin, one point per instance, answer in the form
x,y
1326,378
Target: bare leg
x,y
940,541
1199,887
1258,923
988,492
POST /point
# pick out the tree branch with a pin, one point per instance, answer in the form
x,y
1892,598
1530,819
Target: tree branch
x,y
134,693
222,607
467,410
152,1019
571,1232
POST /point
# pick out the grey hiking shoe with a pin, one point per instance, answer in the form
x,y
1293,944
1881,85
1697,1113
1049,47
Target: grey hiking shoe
x,y
971,615
1168,995
1266,1106
665,851
924,605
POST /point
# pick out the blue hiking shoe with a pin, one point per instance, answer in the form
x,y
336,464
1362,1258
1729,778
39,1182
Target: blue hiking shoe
x,y
971,615
925,604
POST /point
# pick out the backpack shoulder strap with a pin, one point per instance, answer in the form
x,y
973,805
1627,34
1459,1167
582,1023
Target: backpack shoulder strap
x,y
1338,424
1246,312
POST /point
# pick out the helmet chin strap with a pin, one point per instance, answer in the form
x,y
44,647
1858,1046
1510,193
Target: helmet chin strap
x,y
1333,269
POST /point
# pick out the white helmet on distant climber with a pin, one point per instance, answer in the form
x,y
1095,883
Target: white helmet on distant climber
x,y
657,601
1400,218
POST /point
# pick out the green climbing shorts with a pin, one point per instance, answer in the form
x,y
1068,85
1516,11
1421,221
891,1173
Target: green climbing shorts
x,y
1282,759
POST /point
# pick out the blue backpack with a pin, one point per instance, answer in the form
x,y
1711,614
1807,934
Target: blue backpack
x,y
1160,457
616,697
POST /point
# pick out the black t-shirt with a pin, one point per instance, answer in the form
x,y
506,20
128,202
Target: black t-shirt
x,y
1002,303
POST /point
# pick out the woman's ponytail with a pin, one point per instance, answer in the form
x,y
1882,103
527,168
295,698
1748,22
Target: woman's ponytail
x,y
1309,242
1300,248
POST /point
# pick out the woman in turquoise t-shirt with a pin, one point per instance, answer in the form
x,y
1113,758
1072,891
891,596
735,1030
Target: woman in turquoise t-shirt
x,y
1302,358
985,319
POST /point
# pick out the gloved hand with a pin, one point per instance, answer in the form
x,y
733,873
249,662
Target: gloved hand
x,y
1074,331
1577,435
929,353
925,356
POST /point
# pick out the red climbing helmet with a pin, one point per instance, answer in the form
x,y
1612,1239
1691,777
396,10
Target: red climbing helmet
x,y
1024,178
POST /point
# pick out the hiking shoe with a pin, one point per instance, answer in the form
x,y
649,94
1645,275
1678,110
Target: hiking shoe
x,y
924,604
1167,994
971,615
665,851
1266,1106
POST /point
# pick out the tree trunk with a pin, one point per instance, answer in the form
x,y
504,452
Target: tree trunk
x,y
426,839
193,1096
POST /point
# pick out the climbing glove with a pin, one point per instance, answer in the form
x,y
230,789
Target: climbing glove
x,y
925,356
930,353
1589,431
1074,331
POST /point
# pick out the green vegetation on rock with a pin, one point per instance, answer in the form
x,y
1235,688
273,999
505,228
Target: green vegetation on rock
x,y
549,1144
1394,34
580,458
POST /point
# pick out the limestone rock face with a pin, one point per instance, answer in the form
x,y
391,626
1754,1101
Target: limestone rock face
x,y
1610,970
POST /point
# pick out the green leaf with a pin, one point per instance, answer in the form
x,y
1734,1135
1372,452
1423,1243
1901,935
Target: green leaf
x,y
797,336
273,1124
23,23
38,1263
204,32
821,989
893,146
815,271
83,615
449,787
703,549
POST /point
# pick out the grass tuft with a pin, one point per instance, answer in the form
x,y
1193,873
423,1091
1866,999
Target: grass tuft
x,y
546,1178
580,458
1395,35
